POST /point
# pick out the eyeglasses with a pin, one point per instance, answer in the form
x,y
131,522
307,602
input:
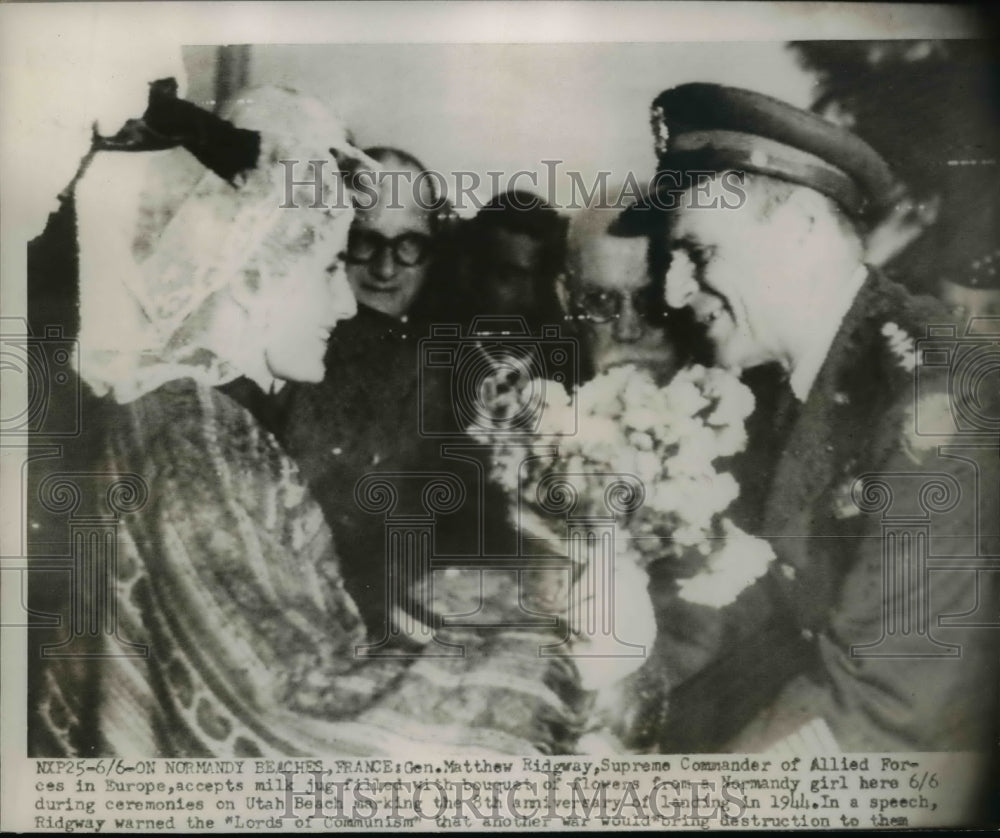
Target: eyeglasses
x,y
604,306
408,249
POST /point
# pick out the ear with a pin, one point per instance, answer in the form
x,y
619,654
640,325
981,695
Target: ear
x,y
805,212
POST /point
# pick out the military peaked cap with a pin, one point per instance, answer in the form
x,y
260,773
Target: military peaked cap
x,y
708,127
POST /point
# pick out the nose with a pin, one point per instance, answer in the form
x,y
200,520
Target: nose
x,y
383,264
629,326
681,284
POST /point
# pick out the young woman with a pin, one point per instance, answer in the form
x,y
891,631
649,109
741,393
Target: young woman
x,y
204,287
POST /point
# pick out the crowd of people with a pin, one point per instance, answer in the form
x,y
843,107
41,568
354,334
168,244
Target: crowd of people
x,y
263,364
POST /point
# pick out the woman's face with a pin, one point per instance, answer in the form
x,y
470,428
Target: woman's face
x,y
304,301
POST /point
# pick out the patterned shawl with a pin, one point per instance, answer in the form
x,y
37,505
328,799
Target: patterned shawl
x,y
228,575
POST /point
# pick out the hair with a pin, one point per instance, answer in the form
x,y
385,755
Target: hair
x,y
439,210
832,228
767,195
772,193
438,289
524,213
596,222
403,160
679,325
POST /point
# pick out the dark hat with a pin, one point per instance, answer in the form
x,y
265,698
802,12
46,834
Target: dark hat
x,y
708,127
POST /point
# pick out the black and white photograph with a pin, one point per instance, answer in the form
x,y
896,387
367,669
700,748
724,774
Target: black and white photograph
x,y
520,425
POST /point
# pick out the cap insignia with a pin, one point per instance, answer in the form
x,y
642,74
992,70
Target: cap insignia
x,y
661,131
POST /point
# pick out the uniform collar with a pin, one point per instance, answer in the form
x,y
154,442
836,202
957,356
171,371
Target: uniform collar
x,y
805,371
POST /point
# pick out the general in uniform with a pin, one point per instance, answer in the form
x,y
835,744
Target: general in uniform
x,y
872,464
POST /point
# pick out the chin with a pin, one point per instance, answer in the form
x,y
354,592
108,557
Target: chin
x,y
740,357
728,360
384,304
314,376
305,373
732,350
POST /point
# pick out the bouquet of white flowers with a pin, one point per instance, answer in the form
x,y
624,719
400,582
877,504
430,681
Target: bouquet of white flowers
x,y
664,441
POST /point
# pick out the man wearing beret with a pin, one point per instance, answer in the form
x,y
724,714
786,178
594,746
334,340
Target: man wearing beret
x,y
872,466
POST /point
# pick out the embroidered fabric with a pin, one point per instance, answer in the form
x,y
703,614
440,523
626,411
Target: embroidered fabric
x,y
229,577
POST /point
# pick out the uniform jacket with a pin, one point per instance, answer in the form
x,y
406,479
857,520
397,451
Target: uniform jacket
x,y
879,509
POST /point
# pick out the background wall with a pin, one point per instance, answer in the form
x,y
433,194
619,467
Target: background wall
x,y
503,107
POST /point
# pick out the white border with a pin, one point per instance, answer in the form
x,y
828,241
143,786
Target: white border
x,y
33,32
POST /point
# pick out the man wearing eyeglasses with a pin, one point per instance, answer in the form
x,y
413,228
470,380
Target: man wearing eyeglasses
x,y
391,240
611,300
